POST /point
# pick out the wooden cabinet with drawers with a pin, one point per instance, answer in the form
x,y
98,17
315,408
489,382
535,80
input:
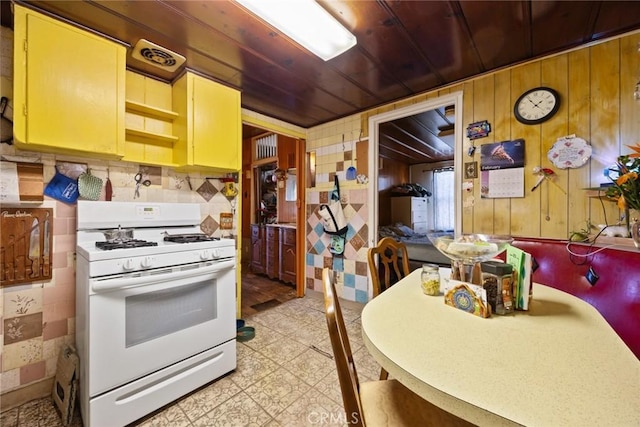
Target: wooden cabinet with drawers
x,y
272,252
288,255
411,211
257,249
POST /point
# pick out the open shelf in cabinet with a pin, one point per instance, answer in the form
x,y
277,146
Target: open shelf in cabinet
x,y
151,135
148,110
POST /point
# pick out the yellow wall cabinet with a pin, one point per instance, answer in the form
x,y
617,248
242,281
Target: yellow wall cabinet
x,y
208,126
68,88
149,117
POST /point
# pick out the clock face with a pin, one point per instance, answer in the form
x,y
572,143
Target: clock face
x,y
536,105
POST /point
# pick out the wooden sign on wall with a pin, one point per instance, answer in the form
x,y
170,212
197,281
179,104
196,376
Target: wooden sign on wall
x,y
27,245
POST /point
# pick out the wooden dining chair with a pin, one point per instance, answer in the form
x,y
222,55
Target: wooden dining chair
x,y
393,265
374,403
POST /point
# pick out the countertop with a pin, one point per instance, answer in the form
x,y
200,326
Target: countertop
x,y
283,225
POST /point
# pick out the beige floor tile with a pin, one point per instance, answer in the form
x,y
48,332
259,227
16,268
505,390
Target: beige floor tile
x,y
312,409
311,335
311,366
277,391
252,368
207,398
239,411
173,416
330,386
304,314
264,335
283,350
366,365
283,323
285,377
9,418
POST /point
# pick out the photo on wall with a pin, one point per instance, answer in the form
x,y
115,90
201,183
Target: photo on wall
x,y
502,169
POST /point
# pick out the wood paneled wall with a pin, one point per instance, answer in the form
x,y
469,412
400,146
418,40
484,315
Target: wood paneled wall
x,y
596,85
287,152
390,174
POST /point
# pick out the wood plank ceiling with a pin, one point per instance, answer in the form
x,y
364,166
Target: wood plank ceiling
x,y
404,47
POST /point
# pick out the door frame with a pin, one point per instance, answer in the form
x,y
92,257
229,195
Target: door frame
x,y
301,177
455,99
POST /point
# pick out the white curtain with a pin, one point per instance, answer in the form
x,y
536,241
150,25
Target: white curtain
x,y
443,199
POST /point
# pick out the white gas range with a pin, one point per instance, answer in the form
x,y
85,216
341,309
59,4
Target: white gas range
x,y
155,307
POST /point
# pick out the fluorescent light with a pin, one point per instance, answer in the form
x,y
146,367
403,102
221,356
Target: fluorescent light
x,y
307,23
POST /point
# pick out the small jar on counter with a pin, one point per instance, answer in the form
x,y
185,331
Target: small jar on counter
x,y
430,279
497,281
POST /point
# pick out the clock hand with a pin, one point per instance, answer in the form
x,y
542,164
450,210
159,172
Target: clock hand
x,y
535,104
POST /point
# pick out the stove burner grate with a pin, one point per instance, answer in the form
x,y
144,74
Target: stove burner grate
x,y
124,244
188,238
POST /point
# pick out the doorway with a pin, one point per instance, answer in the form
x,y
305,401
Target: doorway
x,y
453,100
262,213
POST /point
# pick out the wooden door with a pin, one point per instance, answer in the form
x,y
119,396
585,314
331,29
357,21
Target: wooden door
x,y
257,249
272,252
288,255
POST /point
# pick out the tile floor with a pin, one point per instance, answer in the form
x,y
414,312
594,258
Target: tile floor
x,y
285,377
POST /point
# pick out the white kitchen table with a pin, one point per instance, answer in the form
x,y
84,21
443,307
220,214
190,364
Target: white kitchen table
x,y
559,364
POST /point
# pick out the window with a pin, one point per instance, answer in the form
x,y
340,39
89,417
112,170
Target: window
x,y
443,198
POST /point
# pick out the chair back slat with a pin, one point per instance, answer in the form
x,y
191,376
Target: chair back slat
x,y
392,264
347,374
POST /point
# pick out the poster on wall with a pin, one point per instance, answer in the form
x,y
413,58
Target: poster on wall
x,y
502,169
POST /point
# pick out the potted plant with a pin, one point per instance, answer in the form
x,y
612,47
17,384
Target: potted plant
x,y
626,188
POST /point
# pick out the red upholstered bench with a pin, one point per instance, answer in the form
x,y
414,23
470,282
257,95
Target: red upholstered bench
x,y
616,294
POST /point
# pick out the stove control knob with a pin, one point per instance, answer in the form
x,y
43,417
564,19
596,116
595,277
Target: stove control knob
x,y
128,264
204,255
147,262
216,253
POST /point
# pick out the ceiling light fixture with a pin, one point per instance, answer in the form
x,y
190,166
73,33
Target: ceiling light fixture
x,y
307,23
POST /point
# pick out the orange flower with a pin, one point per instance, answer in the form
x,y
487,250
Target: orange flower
x,y
622,204
626,187
635,148
626,177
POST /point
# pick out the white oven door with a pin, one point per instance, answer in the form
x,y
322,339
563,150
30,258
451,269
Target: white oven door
x,y
141,323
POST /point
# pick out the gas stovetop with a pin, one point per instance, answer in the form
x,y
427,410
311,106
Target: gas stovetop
x,y
124,244
162,234
188,238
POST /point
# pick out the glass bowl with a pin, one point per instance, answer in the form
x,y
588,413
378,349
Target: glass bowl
x,y
470,248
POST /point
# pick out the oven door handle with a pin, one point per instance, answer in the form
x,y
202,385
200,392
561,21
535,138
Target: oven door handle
x,y
112,284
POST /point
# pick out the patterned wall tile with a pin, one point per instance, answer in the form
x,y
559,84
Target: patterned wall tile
x,y
22,328
22,353
22,302
353,260
10,379
34,372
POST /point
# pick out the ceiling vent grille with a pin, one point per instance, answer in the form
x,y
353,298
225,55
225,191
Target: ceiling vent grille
x,y
157,56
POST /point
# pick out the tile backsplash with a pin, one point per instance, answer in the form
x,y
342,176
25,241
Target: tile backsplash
x,y
38,318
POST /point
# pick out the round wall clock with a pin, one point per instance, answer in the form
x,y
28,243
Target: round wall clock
x,y
536,105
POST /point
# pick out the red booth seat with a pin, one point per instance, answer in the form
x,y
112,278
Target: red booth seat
x,y
616,294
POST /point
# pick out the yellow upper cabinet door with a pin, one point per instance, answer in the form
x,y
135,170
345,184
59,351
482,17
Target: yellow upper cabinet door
x,y
69,88
216,129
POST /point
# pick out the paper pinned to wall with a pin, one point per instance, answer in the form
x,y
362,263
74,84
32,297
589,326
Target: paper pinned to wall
x,y
9,188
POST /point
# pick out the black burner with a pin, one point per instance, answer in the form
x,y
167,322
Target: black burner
x,y
133,243
188,238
